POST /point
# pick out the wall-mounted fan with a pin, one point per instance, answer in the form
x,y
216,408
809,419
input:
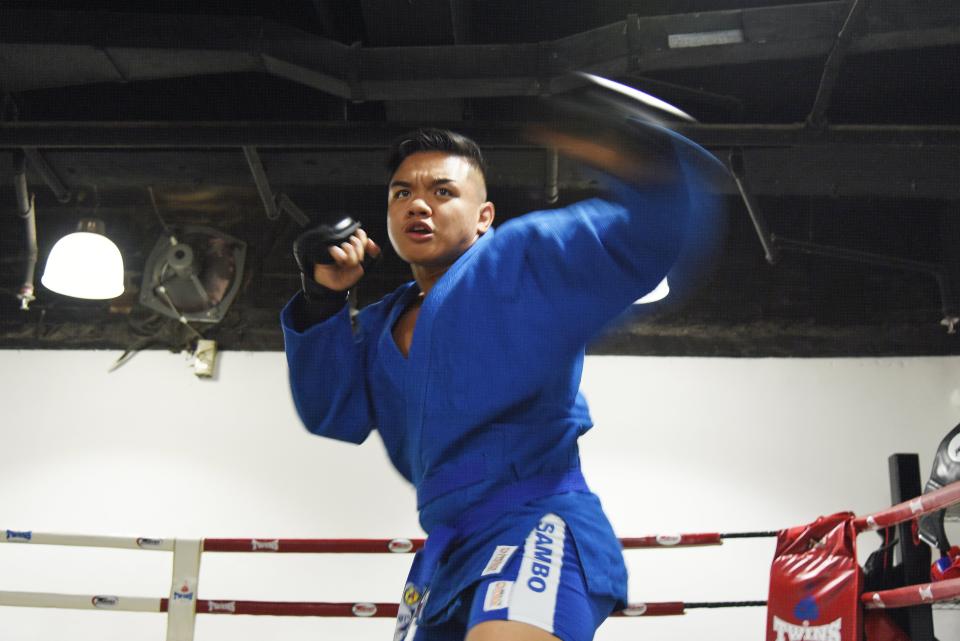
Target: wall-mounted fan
x,y
193,274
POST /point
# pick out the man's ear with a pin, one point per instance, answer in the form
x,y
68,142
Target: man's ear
x,y
487,214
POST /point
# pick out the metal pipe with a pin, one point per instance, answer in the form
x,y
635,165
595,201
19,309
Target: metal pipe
x,y
831,69
462,20
948,303
552,187
285,204
759,223
42,167
857,256
261,181
26,210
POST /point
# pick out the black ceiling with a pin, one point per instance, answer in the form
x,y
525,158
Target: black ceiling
x,y
847,148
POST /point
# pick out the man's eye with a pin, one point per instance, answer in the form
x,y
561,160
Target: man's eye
x,y
401,193
443,191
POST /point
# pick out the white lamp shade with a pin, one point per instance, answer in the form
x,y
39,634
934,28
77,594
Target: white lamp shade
x,y
659,293
84,265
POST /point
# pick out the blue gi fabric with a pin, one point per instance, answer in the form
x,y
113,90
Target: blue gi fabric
x,y
480,517
489,392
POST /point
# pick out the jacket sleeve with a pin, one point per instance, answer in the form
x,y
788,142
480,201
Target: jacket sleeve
x,y
327,371
575,269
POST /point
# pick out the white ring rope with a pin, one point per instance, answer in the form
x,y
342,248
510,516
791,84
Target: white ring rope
x,y
182,606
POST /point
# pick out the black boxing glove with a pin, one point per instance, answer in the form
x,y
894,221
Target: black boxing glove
x,y
310,248
946,470
313,246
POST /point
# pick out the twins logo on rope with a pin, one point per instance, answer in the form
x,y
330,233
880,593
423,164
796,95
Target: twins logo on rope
x,y
364,609
105,601
12,535
400,546
272,546
149,543
222,606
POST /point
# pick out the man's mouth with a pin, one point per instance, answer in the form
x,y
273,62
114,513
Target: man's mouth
x,y
418,231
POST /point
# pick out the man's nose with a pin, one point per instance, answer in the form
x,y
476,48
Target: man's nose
x,y
418,207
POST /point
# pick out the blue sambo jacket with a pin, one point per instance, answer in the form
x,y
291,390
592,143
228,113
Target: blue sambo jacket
x,y
489,393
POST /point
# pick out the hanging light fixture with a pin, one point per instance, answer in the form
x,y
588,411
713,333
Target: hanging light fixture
x,y
85,264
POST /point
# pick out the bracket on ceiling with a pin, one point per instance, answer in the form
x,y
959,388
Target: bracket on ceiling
x,y
273,204
773,245
39,162
816,119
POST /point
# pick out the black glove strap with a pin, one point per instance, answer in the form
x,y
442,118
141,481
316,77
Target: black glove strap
x,y
317,304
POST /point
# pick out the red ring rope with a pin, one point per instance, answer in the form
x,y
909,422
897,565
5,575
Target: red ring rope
x,y
389,610
912,595
923,504
376,546
906,596
930,502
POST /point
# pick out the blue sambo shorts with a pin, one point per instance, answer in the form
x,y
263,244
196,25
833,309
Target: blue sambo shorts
x,y
541,584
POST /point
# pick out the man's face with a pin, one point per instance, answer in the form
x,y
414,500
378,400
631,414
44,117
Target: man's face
x,y
436,208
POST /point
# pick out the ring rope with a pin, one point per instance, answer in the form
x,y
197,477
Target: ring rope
x,y
332,546
900,513
79,601
939,591
294,608
907,596
86,540
183,605
362,546
908,510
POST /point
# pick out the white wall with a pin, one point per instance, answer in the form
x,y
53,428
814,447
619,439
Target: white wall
x,y
681,445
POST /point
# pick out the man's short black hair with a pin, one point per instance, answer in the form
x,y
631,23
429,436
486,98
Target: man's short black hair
x,y
430,139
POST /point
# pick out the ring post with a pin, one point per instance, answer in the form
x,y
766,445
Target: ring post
x,y
915,559
182,606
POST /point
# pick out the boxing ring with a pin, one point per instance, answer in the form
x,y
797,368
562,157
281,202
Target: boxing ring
x,y
182,605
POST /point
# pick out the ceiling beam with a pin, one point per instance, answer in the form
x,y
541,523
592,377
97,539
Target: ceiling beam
x,y
379,135
46,49
886,171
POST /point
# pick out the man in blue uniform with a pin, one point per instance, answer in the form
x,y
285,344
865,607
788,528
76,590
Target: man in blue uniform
x,y
471,375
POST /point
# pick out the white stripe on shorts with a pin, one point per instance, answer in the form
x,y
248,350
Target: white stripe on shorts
x,y
534,596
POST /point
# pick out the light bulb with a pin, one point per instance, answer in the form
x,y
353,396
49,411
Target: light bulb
x,y
85,264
